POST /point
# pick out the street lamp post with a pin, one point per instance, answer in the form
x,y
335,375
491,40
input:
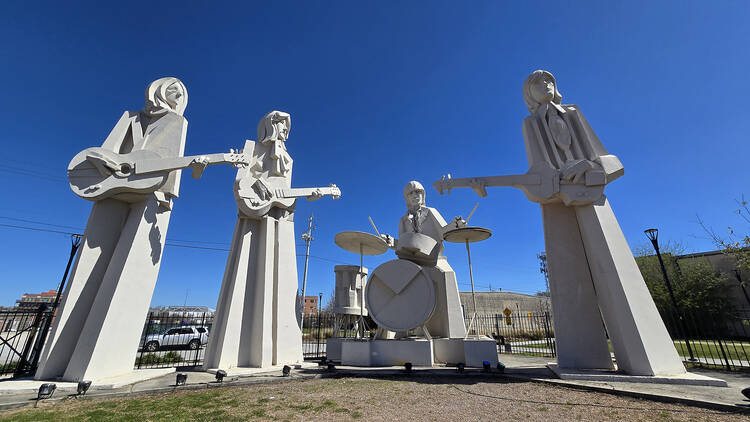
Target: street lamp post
x,y
653,236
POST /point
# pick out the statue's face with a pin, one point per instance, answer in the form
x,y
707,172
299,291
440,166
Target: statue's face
x,y
543,90
415,199
281,129
174,95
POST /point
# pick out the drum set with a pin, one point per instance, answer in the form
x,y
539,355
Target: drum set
x,y
400,294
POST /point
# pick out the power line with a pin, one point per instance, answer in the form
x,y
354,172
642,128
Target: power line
x,y
35,229
43,224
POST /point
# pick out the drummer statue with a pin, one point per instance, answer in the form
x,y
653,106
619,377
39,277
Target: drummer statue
x,y
420,240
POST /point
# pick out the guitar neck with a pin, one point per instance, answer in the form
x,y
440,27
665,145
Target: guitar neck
x,y
177,163
491,181
300,192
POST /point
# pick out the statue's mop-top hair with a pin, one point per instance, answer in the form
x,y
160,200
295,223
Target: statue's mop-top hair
x,y
535,77
266,129
411,187
156,97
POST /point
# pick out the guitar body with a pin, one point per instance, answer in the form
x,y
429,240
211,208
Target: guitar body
x,y
249,186
256,197
88,182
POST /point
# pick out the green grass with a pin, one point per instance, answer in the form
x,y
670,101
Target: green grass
x,y
710,349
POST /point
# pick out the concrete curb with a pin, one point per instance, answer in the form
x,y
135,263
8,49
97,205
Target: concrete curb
x,y
705,404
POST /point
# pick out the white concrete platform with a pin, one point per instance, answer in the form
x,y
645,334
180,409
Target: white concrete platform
x,y
356,352
31,385
333,348
246,371
687,378
472,351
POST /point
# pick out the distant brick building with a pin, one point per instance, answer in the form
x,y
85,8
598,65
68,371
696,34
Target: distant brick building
x,y
33,300
310,305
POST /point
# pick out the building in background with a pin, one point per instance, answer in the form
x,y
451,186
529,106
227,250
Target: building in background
x,y
33,300
494,303
310,305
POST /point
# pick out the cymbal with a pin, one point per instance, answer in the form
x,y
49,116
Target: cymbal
x,y
352,241
464,234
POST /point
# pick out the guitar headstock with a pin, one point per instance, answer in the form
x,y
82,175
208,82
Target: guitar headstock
x,y
443,185
237,158
335,191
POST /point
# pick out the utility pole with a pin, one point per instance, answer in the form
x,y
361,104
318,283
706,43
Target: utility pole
x,y
307,237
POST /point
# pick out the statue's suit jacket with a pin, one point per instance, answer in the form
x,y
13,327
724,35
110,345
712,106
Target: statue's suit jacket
x,y
164,134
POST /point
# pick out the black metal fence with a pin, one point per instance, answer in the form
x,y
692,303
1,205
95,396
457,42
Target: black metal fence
x,y
702,339
22,334
170,339
526,334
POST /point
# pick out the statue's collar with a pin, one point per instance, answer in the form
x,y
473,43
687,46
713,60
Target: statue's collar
x,y
544,108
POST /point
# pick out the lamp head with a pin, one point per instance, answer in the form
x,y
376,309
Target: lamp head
x,y
83,387
45,391
652,234
181,379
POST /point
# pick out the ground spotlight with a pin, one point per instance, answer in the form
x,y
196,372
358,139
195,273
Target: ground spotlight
x,y
460,368
181,379
746,392
220,374
83,387
500,367
286,370
322,362
486,366
331,367
407,367
46,391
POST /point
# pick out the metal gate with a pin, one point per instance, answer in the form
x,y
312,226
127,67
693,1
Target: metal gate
x,y
21,339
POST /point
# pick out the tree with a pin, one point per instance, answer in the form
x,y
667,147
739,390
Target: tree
x,y
698,288
735,244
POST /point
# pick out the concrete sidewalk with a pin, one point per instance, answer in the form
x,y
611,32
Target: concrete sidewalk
x,y
517,367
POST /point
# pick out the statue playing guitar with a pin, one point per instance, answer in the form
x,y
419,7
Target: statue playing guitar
x,y
255,324
593,276
266,183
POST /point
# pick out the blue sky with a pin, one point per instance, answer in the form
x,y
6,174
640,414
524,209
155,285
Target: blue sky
x,y
380,93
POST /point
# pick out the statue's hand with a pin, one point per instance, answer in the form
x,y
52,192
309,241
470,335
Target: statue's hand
x,y
389,240
574,171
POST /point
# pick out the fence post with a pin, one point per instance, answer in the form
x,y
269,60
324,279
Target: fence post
x,y
317,342
145,337
550,342
200,339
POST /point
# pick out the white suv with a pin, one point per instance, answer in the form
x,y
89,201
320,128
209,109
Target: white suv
x,y
176,337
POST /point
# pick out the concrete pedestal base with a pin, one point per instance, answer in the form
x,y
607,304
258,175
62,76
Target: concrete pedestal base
x,y
333,349
471,351
386,352
246,371
132,377
685,378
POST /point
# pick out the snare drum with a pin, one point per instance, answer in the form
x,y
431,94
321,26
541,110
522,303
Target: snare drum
x,y
419,248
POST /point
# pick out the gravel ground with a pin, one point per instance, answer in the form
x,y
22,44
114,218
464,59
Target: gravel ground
x,y
389,399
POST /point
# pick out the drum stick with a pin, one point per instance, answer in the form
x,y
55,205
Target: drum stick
x,y
376,229
472,212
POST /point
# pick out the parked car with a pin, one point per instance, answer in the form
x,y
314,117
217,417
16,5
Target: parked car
x,y
177,337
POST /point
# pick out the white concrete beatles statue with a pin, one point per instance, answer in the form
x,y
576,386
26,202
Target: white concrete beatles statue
x,y
255,323
591,268
420,240
99,323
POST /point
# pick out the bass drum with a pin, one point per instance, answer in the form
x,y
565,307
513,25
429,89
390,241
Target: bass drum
x,y
399,295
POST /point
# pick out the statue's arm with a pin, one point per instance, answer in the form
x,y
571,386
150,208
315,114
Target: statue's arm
x,y
117,134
